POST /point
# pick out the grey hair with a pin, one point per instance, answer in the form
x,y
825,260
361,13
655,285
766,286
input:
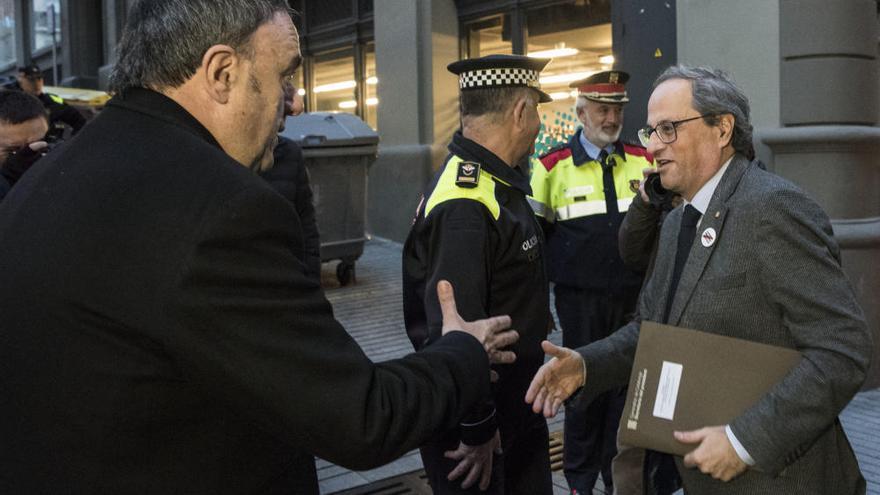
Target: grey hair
x,y
580,103
164,40
714,93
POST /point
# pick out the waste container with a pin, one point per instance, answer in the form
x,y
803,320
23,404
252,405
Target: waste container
x,y
338,149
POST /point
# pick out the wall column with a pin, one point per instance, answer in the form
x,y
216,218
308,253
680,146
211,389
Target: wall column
x,y
829,140
418,106
81,44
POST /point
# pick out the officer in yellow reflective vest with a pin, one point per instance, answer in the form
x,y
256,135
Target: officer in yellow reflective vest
x,y
581,191
475,228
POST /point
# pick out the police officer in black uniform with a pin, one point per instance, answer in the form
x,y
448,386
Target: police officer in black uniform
x,y
30,80
475,228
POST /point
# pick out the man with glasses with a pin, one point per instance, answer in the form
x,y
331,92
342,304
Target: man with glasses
x,y
30,80
581,192
749,255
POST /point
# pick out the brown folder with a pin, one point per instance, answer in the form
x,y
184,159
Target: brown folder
x,y
686,379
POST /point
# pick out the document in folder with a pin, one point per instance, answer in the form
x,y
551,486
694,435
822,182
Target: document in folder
x,y
686,379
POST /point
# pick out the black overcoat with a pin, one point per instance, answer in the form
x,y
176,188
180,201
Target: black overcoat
x,y
159,336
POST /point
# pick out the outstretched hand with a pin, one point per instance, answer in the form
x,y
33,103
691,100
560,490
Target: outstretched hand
x,y
556,380
493,332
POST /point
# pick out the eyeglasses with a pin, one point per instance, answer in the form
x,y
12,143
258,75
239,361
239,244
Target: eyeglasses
x,y
666,130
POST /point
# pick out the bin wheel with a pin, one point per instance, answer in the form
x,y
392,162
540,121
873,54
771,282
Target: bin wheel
x,y
345,272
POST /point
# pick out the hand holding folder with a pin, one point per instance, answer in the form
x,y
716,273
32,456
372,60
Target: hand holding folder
x,y
686,379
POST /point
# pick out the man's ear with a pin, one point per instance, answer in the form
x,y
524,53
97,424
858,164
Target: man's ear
x,y
726,123
221,69
519,111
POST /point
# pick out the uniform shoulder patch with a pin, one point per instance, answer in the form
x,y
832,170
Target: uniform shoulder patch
x,y
637,150
552,157
468,175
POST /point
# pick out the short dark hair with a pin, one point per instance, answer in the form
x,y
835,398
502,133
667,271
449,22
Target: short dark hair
x,y
485,101
714,93
164,40
17,107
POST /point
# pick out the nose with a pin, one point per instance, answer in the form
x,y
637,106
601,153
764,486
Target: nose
x,y
298,105
654,144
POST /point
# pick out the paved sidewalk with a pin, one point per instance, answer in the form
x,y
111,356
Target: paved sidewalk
x,y
371,310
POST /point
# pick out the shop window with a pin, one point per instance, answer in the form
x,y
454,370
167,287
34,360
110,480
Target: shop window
x,y
488,36
335,85
7,32
372,101
578,40
45,23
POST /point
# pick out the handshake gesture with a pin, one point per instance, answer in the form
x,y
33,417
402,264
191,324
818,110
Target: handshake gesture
x,y
556,380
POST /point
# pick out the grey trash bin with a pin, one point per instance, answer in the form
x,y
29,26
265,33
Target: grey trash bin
x,y
338,149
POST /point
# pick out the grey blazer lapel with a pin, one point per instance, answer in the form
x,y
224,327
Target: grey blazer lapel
x,y
713,219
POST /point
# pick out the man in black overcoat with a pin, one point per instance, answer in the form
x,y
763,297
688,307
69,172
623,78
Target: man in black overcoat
x,y
159,334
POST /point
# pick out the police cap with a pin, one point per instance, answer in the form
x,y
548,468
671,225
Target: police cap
x,y
31,71
500,71
605,87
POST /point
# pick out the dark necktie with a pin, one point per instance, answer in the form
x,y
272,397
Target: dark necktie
x,y
607,164
686,235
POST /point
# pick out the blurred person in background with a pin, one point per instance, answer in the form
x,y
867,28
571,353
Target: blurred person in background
x,y
23,126
61,115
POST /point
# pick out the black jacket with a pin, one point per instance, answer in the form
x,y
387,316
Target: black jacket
x,y
61,114
159,334
291,179
487,242
4,187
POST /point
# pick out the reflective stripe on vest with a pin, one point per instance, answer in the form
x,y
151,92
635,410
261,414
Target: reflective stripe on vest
x,y
587,208
541,209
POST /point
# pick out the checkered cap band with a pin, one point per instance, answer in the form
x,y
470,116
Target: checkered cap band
x,y
484,78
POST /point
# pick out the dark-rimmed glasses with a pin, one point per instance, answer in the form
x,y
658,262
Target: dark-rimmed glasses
x,y
666,130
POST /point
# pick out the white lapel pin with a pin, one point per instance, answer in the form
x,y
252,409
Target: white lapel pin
x,y
708,237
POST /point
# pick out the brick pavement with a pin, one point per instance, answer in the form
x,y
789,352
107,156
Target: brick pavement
x,y
371,310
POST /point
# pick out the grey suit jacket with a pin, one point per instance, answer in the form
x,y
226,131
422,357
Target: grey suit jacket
x,y
773,275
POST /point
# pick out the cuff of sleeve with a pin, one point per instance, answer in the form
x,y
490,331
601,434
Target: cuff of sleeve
x,y
738,447
479,432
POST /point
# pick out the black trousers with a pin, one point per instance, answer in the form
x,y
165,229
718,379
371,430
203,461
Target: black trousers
x,y
522,469
590,435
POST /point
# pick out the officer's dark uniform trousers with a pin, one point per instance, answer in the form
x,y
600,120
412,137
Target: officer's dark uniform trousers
x,y
475,228
594,296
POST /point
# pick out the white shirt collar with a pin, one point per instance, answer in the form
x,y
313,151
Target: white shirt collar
x,y
704,195
593,150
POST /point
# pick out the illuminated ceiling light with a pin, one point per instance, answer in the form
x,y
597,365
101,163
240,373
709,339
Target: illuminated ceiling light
x,y
326,88
606,60
562,95
349,104
373,80
565,78
555,53
301,92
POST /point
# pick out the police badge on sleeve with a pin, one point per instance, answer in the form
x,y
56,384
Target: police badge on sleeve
x,y
468,174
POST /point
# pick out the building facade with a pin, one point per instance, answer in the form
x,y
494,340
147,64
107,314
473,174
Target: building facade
x,y
809,67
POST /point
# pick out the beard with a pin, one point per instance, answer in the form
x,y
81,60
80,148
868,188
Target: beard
x,y
611,137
